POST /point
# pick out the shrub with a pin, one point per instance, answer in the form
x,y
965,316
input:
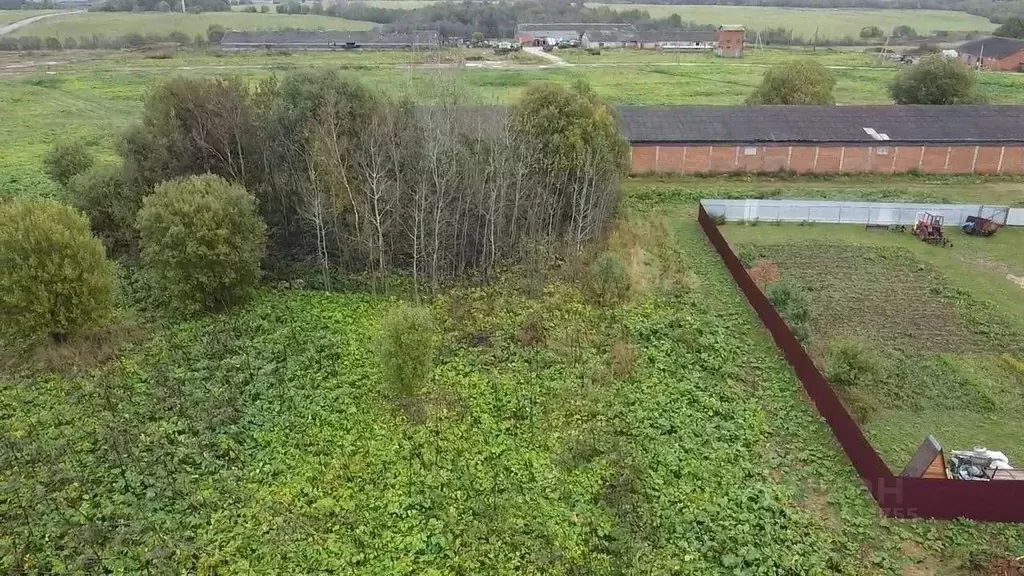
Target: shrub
x,y
201,242
65,160
408,342
608,281
871,32
54,277
796,83
849,363
791,303
935,79
214,33
111,205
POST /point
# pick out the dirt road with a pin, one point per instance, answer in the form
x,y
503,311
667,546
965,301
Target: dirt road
x,y
25,22
538,51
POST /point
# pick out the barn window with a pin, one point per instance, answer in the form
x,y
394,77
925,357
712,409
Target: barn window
x,y
882,151
750,151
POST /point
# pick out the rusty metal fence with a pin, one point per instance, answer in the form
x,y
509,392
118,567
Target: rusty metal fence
x,y
897,497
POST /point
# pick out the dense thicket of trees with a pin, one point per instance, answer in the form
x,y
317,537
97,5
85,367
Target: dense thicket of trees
x,y
349,179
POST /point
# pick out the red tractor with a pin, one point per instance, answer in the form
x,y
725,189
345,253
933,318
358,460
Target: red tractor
x,y
928,228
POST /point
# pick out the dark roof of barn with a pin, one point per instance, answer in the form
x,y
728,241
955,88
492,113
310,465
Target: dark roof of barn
x,y
604,35
994,47
823,124
325,37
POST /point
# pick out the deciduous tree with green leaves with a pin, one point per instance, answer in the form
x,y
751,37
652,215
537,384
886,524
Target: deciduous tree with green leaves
x,y
54,275
798,82
408,342
111,205
935,79
1011,28
65,160
201,242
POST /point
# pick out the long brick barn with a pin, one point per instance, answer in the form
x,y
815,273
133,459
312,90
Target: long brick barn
x,y
825,139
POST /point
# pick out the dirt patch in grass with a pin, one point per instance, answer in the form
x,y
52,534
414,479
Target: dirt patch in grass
x,y
1005,567
764,272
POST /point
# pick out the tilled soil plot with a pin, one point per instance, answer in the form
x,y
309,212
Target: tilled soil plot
x,y
879,294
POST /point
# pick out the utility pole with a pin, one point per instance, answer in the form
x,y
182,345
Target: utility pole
x,y
182,6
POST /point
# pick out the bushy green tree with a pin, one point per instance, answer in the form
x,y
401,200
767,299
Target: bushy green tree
x,y
65,160
214,33
54,276
798,82
871,32
1011,28
111,205
201,242
935,79
567,125
903,30
408,342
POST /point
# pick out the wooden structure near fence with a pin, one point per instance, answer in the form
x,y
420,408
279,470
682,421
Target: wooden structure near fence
x,y
897,496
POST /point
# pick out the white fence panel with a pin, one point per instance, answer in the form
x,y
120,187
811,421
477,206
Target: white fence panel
x,y
1015,217
877,213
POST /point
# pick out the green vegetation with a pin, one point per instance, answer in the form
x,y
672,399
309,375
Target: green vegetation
x,y
66,160
800,82
550,435
201,243
54,277
408,343
806,22
113,24
935,79
921,340
608,281
1011,28
792,305
110,204
552,414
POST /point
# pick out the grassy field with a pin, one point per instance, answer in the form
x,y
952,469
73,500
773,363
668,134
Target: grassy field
x,y
834,24
939,331
112,24
264,440
93,96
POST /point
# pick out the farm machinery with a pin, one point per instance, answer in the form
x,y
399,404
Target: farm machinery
x,y
978,226
928,228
